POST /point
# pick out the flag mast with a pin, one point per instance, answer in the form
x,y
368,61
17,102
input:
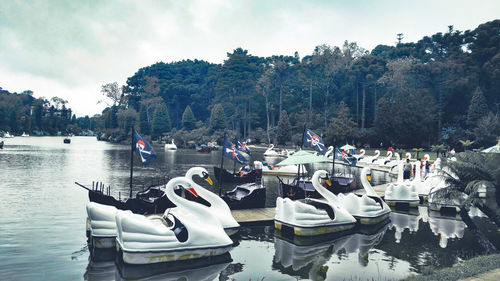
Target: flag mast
x,y
221,164
131,159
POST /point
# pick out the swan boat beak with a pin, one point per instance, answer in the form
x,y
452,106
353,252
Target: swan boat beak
x,y
369,178
191,189
209,180
328,182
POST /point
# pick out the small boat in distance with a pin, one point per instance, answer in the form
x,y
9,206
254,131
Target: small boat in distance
x,y
204,149
25,135
171,146
7,135
67,140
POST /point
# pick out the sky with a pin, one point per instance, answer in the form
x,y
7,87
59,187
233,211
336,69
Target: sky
x,y
70,49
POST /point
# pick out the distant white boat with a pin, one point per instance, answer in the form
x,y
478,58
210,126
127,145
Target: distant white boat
x,y
25,135
171,146
7,135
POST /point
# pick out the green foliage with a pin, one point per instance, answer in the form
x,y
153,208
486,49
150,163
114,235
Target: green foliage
x,y
217,118
161,121
477,108
143,121
343,128
284,132
188,119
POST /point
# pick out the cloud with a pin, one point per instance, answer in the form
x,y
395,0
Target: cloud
x,y
76,46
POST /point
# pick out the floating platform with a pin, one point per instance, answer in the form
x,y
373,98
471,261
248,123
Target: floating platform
x,y
379,189
258,216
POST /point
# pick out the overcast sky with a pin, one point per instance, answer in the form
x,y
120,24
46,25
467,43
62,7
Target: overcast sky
x,y
70,48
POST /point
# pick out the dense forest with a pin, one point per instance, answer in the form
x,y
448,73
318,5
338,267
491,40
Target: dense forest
x,y
23,113
442,89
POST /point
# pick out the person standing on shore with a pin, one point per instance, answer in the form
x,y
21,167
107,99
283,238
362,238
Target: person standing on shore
x,y
407,169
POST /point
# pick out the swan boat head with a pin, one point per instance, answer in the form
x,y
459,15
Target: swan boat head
x,y
216,205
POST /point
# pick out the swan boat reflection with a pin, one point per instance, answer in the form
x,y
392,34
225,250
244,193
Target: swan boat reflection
x,y
310,259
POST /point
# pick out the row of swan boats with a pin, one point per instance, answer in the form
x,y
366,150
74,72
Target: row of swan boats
x,y
190,229
298,256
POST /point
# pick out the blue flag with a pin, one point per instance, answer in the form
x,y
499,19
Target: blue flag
x,y
230,151
144,149
243,147
311,140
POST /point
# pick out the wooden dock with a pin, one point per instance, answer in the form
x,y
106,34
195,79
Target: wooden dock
x,y
379,189
257,216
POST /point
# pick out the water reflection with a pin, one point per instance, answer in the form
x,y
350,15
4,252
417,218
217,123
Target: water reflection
x,y
309,261
193,270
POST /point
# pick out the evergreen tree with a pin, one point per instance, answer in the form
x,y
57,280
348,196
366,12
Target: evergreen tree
x,y
217,118
188,119
143,121
343,127
478,108
284,132
161,121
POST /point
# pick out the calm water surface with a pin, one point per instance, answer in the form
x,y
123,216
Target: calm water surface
x,y
42,223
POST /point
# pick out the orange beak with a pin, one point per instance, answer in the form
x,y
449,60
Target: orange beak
x,y
328,182
192,191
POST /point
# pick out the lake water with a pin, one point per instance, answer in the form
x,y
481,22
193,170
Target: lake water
x,y
42,223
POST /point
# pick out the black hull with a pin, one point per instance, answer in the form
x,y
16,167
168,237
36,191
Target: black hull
x,y
302,190
145,203
67,140
248,196
225,176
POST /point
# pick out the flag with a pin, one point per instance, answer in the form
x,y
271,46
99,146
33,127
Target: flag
x,y
243,147
230,151
143,149
311,140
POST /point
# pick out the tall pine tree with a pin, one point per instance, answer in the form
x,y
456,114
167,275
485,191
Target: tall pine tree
x,y
161,121
188,119
478,108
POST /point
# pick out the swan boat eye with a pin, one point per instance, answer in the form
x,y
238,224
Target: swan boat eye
x,y
205,175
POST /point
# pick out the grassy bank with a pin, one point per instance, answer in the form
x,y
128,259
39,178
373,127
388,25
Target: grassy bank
x,y
469,268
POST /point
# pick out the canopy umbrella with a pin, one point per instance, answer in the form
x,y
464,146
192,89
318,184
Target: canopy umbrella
x,y
347,147
493,149
302,157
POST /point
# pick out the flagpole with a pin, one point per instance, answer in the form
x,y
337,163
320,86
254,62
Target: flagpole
x,y
131,159
234,162
221,164
333,161
301,144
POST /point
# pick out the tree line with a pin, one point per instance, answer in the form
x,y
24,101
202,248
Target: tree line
x,y
440,90
23,113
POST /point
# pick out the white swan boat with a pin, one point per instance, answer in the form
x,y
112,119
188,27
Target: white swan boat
x,y
392,162
382,161
401,193
360,155
423,188
311,217
170,146
370,159
368,208
290,170
182,233
25,135
8,135
218,207
270,152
